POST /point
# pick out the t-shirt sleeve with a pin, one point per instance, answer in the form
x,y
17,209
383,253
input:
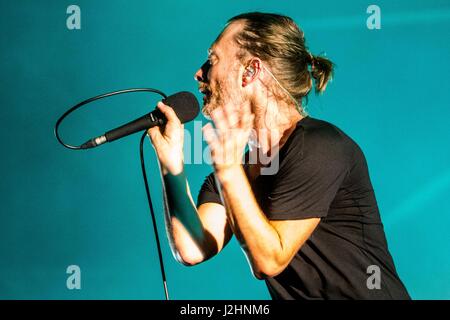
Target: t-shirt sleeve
x,y
310,174
209,191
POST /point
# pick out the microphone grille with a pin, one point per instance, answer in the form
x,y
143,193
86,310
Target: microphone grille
x,y
185,105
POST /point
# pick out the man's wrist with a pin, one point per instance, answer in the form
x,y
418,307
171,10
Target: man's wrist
x,y
174,170
228,174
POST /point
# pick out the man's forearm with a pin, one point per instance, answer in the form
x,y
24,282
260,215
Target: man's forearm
x,y
186,228
257,236
180,203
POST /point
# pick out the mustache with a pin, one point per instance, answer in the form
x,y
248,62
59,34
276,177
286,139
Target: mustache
x,y
204,88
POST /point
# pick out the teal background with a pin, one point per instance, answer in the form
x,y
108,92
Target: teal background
x,y
60,207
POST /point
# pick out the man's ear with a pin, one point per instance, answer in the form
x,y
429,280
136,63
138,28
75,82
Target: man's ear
x,y
251,72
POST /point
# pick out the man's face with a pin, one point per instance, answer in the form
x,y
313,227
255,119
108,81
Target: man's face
x,y
219,77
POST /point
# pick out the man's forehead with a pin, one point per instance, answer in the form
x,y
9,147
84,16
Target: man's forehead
x,y
225,41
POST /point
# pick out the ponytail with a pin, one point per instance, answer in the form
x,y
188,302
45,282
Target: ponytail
x,y
321,71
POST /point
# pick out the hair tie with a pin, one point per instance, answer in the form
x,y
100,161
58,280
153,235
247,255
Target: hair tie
x,y
312,60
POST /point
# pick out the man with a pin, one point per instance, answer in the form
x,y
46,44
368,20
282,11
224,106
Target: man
x,y
312,228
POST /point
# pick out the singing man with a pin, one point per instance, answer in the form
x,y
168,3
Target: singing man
x,y
310,229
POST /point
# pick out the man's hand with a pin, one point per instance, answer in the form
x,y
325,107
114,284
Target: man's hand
x,y
227,144
168,141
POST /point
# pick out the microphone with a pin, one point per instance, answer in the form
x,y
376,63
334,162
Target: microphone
x,y
184,104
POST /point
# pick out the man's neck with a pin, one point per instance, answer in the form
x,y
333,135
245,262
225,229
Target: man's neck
x,y
274,131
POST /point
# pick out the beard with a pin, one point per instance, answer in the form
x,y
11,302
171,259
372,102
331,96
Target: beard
x,y
221,95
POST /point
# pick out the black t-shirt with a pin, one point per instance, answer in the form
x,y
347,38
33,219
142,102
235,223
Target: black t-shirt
x,y
323,173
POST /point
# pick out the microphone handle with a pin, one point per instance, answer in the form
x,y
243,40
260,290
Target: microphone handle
x,y
147,121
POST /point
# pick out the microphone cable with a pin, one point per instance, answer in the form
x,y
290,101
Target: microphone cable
x,y
141,153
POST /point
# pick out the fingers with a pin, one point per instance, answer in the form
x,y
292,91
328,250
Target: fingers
x,y
219,119
247,121
210,136
168,132
155,135
231,115
215,143
247,116
168,112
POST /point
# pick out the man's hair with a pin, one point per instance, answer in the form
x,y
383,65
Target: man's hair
x,y
279,42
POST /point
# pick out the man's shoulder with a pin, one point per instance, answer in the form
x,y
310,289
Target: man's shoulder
x,y
322,130
321,133
316,137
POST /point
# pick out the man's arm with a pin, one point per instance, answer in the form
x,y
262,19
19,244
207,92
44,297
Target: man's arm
x,y
195,234
270,245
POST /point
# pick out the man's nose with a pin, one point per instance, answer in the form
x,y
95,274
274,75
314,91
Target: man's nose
x,y
202,73
199,75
